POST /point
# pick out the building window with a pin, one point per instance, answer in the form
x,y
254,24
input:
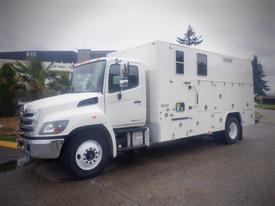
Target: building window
x,y
202,64
114,78
179,62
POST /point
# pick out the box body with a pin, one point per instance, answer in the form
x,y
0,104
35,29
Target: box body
x,y
186,104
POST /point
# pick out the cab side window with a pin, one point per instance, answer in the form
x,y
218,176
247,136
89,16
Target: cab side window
x,y
114,78
133,79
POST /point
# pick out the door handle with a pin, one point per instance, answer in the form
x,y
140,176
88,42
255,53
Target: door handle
x,y
137,101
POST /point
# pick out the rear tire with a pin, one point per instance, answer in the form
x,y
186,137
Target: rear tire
x,y
86,154
231,133
232,130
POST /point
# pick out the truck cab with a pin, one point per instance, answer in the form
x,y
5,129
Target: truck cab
x,y
105,112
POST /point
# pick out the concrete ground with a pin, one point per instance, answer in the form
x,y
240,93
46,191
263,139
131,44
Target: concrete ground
x,y
194,171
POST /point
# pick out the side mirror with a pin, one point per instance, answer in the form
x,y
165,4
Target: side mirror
x,y
124,73
123,83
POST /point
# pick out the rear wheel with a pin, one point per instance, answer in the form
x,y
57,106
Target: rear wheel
x,y
86,154
232,130
231,133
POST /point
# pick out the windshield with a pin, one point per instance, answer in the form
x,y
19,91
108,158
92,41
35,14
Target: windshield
x,y
89,77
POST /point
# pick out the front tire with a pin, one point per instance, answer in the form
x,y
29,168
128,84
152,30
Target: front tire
x,y
86,154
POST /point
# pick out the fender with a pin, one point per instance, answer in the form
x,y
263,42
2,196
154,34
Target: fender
x,y
83,118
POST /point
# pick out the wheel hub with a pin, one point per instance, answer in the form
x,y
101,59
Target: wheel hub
x,y
88,155
233,130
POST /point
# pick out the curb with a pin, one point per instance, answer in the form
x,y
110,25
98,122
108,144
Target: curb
x,y
7,144
260,116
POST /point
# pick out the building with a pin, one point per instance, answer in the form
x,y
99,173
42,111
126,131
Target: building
x,y
62,60
87,54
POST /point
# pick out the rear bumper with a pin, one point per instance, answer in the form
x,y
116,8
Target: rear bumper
x,y
41,148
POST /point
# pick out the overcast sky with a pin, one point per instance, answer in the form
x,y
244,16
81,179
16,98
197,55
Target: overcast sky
x,y
239,28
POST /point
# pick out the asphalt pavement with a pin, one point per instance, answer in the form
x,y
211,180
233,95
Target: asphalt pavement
x,y
195,171
8,154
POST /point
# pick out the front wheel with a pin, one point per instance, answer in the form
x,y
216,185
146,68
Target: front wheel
x,y
86,154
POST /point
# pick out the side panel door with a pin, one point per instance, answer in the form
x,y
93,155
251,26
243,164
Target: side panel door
x,y
180,119
125,108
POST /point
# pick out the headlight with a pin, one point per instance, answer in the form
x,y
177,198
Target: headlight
x,y
54,127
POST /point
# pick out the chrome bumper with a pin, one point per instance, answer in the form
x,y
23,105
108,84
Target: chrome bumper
x,y
45,149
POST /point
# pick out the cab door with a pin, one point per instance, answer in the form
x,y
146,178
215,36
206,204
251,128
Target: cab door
x,y
125,107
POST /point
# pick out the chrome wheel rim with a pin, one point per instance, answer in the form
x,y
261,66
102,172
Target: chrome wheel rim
x,y
88,155
233,130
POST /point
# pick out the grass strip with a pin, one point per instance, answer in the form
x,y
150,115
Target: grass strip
x,y
266,106
8,138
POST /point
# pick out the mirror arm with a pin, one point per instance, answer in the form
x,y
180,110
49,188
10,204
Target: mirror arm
x,y
119,95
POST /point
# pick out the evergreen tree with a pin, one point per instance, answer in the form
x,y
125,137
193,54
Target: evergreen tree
x,y
260,85
190,38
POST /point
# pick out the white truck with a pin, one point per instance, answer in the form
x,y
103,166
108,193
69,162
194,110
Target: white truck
x,y
135,98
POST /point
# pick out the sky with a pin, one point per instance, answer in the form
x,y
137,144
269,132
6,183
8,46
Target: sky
x,y
240,28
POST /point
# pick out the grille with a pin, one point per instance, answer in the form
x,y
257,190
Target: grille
x,y
26,122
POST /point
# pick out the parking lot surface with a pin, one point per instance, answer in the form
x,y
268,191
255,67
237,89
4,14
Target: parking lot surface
x,y
195,171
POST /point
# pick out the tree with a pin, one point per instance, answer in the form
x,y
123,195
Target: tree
x,y
39,80
57,82
260,85
32,75
190,38
8,91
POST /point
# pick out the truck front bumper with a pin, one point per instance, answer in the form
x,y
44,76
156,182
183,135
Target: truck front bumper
x,y
41,148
